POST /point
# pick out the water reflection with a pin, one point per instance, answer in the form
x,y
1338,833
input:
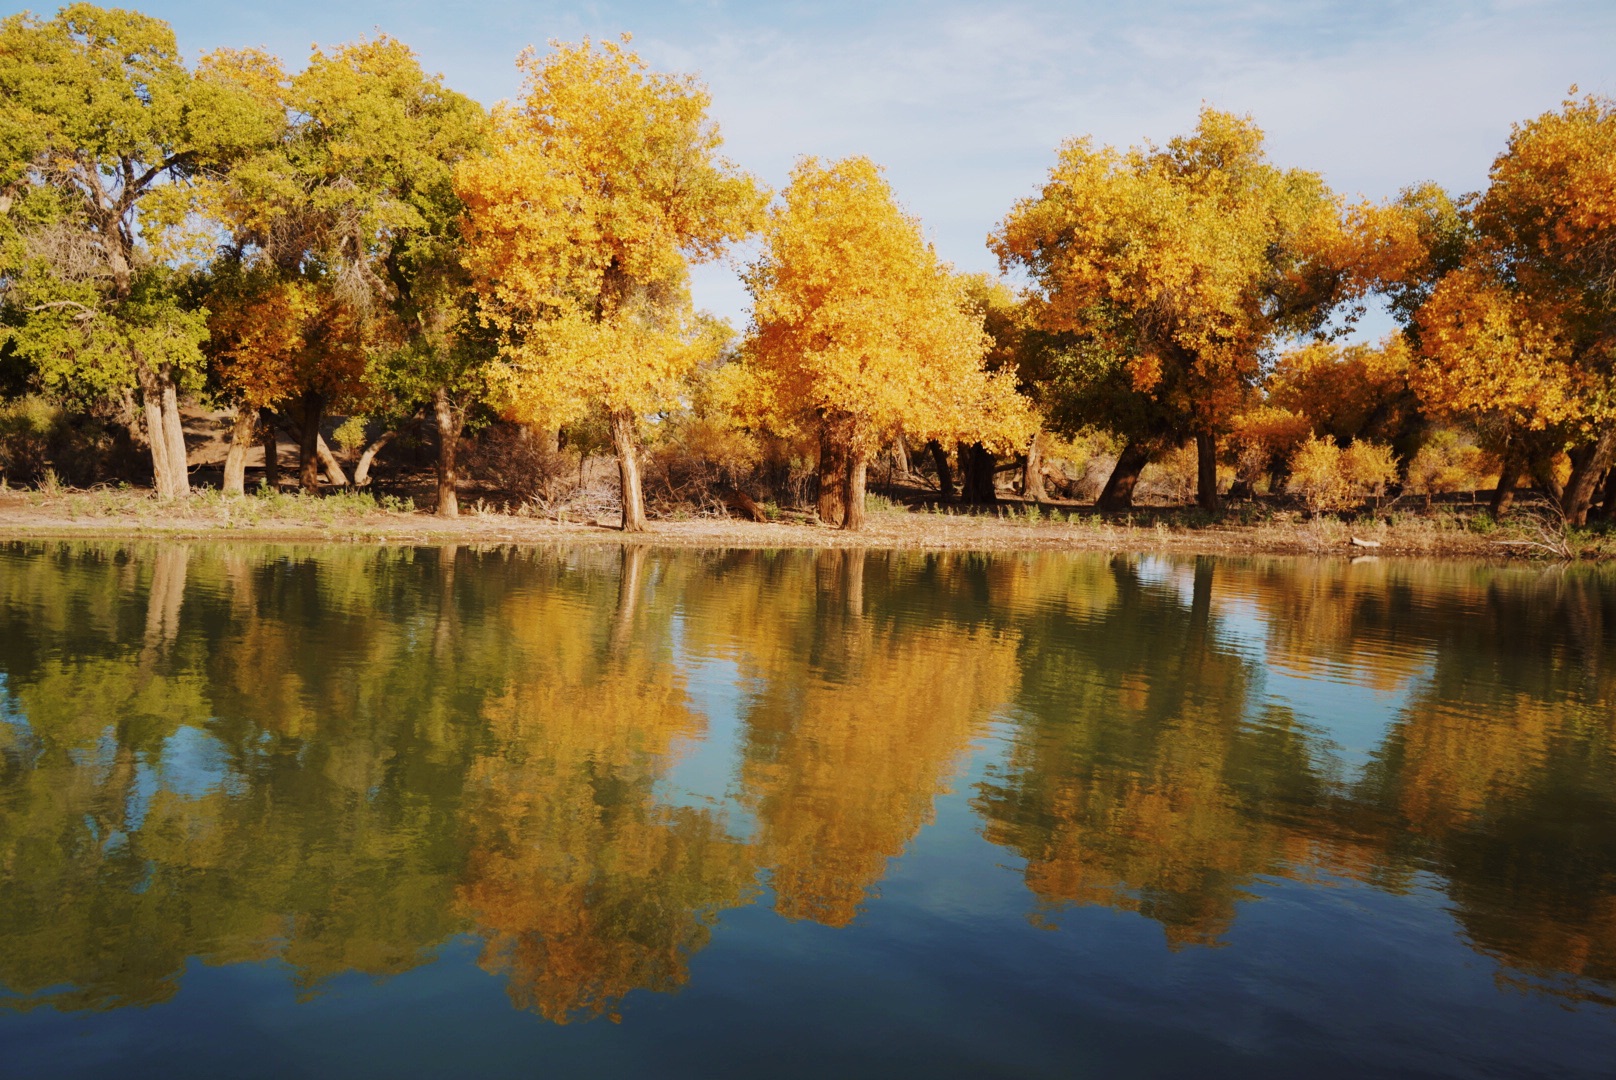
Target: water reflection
x,y
342,758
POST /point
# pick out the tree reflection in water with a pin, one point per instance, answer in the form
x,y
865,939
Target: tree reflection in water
x,y
343,757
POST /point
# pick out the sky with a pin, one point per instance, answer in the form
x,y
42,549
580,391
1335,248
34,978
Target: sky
x,y
965,104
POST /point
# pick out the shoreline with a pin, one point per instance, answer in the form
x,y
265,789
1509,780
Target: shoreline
x,y
129,516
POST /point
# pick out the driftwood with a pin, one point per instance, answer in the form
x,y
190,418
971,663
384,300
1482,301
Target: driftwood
x,y
739,500
1358,542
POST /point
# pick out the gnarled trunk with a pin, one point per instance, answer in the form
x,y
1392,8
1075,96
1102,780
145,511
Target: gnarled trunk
x,y
174,432
328,461
272,449
858,464
169,476
1118,491
1543,473
832,504
243,432
1509,475
1032,472
976,475
1206,470
1591,467
1607,508
162,477
308,448
449,424
900,458
628,470
945,474
361,473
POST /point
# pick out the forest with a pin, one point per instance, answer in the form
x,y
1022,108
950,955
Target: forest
x,y
208,268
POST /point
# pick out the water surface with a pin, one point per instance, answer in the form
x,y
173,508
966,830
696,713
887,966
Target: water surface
x,y
275,811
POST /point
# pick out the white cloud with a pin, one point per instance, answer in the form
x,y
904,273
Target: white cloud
x,y
965,103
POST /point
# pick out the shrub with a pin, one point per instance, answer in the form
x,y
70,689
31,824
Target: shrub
x,y
1171,477
26,426
1451,462
1330,478
1262,440
516,461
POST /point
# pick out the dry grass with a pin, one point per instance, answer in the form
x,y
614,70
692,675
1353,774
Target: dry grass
x,y
360,517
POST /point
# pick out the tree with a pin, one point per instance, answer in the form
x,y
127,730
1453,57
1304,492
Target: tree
x,y
354,209
1171,272
1522,333
604,183
860,332
105,137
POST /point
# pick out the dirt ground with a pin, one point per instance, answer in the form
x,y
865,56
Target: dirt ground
x,y
131,513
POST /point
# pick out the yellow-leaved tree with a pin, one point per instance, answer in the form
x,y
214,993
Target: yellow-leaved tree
x,y
1170,273
1520,335
860,332
604,183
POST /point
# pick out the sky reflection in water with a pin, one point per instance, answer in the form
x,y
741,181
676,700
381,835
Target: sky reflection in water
x,y
408,812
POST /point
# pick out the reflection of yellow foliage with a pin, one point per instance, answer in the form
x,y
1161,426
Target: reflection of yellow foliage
x,y
843,770
582,888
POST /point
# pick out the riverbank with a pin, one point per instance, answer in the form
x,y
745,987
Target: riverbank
x,y
1444,532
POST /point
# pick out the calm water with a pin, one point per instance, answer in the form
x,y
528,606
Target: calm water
x,y
284,811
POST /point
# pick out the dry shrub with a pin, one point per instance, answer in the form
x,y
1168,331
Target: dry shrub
x,y
1330,478
694,462
81,448
1451,462
1174,477
1171,477
516,462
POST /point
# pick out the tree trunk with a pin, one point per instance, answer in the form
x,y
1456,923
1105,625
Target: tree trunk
x,y
449,425
1118,491
1509,475
165,477
1543,472
243,430
328,461
945,475
900,458
1032,477
1206,471
628,470
976,475
1279,476
1607,509
272,450
174,433
632,566
1591,469
361,473
162,478
833,474
858,464
308,456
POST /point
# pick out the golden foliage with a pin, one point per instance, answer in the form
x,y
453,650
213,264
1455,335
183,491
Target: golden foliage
x,y
856,323
604,181
1187,261
1345,392
1330,478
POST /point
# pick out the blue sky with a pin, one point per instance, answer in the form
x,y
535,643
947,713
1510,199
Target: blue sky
x,y
965,103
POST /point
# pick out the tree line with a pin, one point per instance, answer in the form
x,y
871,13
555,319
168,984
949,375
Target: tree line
x,y
357,239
